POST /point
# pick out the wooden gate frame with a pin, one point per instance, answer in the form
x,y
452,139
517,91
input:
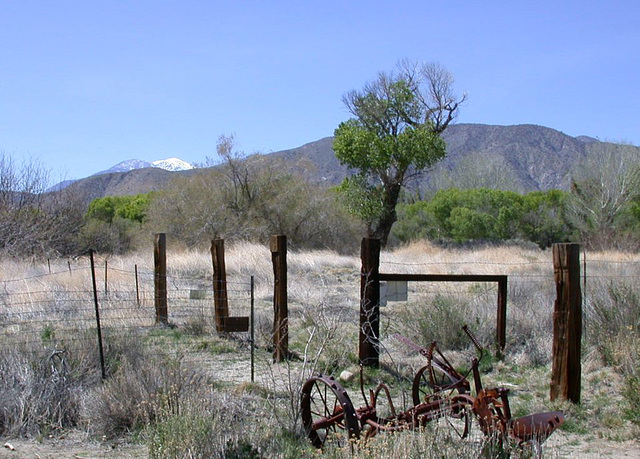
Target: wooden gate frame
x,y
370,299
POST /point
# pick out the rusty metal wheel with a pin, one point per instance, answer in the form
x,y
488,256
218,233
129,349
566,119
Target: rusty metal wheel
x,y
430,380
328,415
459,420
436,377
385,410
421,389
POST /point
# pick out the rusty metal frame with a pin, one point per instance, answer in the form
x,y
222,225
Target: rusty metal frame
x,y
327,410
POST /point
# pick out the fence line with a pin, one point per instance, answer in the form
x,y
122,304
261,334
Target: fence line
x,y
46,303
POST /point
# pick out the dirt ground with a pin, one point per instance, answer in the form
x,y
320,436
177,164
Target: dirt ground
x,y
74,447
563,445
560,445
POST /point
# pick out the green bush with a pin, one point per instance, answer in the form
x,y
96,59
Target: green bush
x,y
486,215
133,208
185,435
140,395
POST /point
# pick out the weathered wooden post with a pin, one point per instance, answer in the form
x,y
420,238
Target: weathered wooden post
x,y
369,353
567,323
160,278
278,245
220,296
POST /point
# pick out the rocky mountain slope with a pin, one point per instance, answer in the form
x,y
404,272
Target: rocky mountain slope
x,y
528,157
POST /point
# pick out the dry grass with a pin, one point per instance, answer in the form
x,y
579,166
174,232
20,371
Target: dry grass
x,y
50,311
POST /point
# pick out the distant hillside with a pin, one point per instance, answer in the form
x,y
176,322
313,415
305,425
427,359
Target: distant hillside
x,y
531,157
325,166
136,181
540,158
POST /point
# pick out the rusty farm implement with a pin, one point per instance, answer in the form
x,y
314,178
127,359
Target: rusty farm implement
x,y
439,392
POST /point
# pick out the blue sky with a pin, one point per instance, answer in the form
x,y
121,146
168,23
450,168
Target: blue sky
x,y
87,84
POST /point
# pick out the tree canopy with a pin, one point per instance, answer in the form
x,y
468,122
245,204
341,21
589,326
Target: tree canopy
x,y
394,135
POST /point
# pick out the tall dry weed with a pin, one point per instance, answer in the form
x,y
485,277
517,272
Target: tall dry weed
x,y
41,388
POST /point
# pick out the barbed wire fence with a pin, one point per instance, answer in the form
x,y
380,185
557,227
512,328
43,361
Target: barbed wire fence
x,y
58,306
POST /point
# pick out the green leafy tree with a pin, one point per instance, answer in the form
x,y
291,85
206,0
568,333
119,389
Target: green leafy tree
x,y
103,209
544,219
134,208
394,135
113,223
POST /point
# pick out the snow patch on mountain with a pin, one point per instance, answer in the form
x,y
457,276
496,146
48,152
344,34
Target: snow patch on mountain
x,y
170,164
126,166
173,164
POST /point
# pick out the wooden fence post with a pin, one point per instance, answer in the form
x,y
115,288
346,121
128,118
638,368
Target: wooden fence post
x,y
220,296
369,353
278,245
160,278
567,323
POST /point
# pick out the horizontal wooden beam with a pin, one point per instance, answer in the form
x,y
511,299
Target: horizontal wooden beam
x,y
444,277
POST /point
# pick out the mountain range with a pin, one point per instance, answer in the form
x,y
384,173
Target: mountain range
x,y
521,157
169,164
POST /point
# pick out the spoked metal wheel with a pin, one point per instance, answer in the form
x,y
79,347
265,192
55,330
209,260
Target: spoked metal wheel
x,y
385,410
430,380
328,415
421,390
458,421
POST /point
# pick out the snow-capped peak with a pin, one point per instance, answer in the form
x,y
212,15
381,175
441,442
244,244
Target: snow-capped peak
x,y
172,164
126,166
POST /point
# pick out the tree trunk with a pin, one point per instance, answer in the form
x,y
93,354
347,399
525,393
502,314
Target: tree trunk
x,y
382,228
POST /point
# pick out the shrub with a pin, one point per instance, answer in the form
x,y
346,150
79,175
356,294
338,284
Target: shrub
x,y
41,388
139,395
614,317
632,396
440,321
486,215
614,320
209,424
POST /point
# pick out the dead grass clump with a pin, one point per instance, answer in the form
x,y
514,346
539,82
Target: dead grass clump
x,y
140,395
613,320
429,442
439,320
613,324
41,388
